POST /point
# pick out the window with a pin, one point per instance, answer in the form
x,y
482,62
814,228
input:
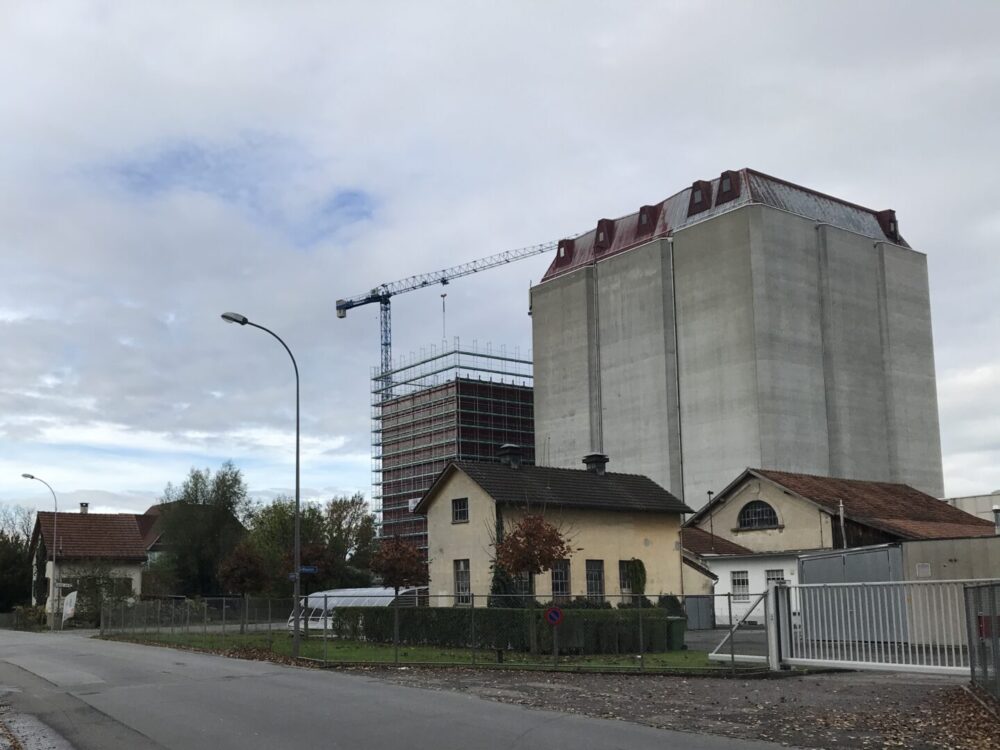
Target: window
x,y
560,581
595,580
758,515
740,585
627,570
463,588
778,576
726,184
624,577
460,510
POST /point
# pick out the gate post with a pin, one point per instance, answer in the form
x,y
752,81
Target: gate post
x,y
776,617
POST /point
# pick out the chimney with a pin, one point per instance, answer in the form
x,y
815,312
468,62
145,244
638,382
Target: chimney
x,y
83,508
596,462
510,455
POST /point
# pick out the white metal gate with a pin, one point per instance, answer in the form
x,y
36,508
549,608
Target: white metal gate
x,y
908,626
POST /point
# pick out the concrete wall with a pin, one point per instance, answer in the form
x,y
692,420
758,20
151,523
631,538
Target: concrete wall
x,y
639,415
566,376
801,525
610,536
720,427
980,506
799,347
952,559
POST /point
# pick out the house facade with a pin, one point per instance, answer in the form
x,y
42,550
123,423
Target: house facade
x,y
756,530
105,549
609,520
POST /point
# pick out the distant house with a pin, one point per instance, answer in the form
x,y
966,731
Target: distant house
x,y
610,519
90,546
754,531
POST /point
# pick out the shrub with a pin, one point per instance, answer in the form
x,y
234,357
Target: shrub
x,y
585,630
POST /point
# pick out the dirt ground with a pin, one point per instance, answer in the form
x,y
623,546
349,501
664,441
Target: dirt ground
x,y
858,710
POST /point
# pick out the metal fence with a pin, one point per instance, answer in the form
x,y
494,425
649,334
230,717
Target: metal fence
x,y
616,633
915,626
982,607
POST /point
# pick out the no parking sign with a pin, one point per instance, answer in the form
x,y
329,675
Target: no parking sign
x,y
553,616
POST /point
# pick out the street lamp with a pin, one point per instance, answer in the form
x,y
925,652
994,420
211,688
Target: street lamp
x,y
231,317
55,533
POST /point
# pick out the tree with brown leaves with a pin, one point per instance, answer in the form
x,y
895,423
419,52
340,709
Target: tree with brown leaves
x,y
399,564
531,546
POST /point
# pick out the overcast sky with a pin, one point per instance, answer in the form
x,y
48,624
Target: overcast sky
x,y
161,163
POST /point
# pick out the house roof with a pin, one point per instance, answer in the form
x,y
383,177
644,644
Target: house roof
x,y
110,536
676,212
568,488
702,543
898,509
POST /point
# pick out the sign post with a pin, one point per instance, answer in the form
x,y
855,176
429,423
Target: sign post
x,y
554,616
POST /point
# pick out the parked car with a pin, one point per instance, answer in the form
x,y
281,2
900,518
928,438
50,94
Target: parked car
x,y
317,606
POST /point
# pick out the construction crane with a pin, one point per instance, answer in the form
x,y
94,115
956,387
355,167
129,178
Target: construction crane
x,y
383,293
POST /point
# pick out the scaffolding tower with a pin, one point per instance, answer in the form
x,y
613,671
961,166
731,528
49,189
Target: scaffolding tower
x,y
444,404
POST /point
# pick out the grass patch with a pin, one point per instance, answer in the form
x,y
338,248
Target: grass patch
x,y
341,651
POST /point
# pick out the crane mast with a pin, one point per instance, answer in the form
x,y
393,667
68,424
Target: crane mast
x,y
383,293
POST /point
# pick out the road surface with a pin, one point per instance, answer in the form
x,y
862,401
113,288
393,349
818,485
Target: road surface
x,y
66,691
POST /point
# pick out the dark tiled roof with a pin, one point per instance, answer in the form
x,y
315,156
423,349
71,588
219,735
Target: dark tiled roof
x,y
112,536
569,488
896,508
702,543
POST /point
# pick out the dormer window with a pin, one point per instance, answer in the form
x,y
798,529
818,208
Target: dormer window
x,y
604,234
701,197
729,187
757,515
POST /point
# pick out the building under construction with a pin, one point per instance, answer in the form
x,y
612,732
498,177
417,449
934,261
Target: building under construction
x,y
447,404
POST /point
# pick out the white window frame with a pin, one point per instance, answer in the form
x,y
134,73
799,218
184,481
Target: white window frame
x,y
463,583
741,590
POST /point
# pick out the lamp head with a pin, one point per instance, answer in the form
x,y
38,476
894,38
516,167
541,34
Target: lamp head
x,y
28,476
231,317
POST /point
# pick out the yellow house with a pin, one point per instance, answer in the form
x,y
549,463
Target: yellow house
x,y
609,520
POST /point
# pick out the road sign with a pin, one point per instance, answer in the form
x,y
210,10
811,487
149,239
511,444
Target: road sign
x,y
308,569
553,616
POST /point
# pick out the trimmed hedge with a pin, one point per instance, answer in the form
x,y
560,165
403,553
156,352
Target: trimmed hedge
x,y
582,631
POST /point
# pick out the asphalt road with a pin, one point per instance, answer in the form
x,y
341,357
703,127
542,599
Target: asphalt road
x,y
68,691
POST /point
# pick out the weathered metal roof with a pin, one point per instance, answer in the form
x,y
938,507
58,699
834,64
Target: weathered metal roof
x,y
747,186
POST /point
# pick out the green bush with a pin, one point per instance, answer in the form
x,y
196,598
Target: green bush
x,y
582,631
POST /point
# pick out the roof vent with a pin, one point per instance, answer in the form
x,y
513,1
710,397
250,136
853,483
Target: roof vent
x,y
701,197
996,518
604,235
890,227
84,507
510,455
729,187
596,462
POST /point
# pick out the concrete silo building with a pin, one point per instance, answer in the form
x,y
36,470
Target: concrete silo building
x,y
744,321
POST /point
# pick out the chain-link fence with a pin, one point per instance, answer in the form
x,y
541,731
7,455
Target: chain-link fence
x,y
982,607
613,633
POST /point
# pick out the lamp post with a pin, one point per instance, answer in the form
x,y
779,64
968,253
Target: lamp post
x,y
55,536
231,317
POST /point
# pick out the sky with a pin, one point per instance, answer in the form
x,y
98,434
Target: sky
x,y
161,163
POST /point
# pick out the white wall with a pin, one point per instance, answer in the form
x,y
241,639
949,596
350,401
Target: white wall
x,y
755,565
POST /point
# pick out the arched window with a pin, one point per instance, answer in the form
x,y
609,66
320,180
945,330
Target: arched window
x,y
758,515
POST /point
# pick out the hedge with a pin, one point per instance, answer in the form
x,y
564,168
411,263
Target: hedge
x,y
582,631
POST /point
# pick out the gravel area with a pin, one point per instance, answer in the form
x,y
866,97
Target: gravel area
x,y
860,710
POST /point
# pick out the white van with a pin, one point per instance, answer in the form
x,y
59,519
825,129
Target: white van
x,y
314,616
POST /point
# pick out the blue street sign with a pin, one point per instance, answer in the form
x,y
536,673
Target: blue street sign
x,y
308,569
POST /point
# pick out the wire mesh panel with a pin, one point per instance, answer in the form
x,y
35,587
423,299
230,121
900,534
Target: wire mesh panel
x,y
982,604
